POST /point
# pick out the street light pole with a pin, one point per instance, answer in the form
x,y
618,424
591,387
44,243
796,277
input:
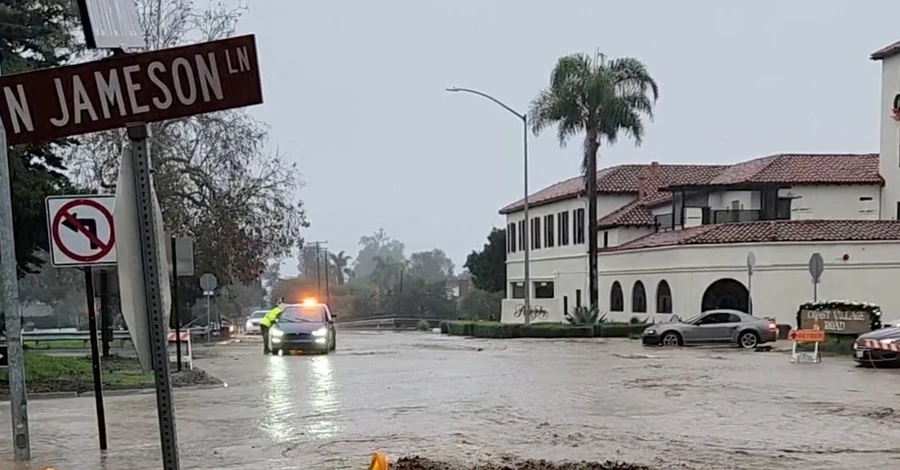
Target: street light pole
x,y
526,225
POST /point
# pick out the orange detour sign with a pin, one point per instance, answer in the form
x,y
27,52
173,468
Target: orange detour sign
x,y
379,461
807,336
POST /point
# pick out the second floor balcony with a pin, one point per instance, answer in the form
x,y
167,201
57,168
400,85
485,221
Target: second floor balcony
x,y
666,222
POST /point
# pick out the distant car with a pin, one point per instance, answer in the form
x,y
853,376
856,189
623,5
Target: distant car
x,y
306,327
713,327
251,326
865,356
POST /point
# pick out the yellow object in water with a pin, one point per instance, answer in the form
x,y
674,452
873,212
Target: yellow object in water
x,y
379,461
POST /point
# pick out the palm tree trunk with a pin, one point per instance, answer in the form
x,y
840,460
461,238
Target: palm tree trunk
x,y
590,154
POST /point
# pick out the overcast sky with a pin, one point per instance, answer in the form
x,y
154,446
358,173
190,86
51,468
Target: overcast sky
x,y
354,93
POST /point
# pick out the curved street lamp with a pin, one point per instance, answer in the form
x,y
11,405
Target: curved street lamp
x,y
527,226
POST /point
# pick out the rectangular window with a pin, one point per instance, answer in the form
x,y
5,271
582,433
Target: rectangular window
x,y
543,290
549,231
511,237
563,220
898,211
578,227
578,297
605,239
522,235
536,233
517,289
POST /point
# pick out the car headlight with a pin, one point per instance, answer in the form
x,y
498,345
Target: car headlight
x,y
649,331
275,332
249,324
320,332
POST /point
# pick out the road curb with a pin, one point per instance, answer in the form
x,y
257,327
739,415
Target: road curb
x,y
110,393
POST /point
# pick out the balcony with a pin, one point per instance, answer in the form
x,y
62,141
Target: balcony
x,y
665,222
735,215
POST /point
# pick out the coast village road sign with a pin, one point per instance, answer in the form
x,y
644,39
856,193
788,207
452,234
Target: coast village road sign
x,y
81,230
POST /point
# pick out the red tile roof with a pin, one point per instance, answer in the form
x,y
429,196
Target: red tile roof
x,y
886,51
775,169
771,231
635,214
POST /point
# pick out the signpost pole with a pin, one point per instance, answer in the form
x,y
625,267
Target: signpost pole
x,y
176,316
9,304
208,324
105,313
138,134
95,356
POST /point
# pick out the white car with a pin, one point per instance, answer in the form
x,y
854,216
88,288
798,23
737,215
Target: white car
x,y
252,324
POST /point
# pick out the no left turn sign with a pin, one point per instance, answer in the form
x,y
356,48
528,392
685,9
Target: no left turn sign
x,y
81,230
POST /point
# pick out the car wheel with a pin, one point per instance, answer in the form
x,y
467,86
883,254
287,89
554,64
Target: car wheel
x,y
333,343
748,340
671,339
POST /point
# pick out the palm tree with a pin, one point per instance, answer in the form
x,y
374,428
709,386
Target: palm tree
x,y
340,262
600,98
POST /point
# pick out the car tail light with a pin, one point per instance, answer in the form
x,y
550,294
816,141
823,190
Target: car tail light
x,y
773,327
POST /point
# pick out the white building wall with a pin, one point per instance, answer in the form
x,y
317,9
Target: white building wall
x,y
890,138
834,202
781,280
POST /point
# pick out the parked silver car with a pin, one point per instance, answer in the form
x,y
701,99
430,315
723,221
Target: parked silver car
x,y
713,327
251,326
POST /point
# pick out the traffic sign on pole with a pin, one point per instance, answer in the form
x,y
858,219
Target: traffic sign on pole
x,y
81,230
111,24
816,267
208,282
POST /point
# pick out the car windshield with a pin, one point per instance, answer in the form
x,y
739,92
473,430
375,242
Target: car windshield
x,y
694,318
296,313
258,314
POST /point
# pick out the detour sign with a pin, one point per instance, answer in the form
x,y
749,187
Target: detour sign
x,y
807,336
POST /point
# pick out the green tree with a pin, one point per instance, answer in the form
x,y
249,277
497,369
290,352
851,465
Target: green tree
x,y
602,99
377,245
341,263
488,266
431,265
481,305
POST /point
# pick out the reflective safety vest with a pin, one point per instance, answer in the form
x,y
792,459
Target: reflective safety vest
x,y
269,319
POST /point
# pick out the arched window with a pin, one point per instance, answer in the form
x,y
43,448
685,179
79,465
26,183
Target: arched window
x,y
616,298
663,297
638,298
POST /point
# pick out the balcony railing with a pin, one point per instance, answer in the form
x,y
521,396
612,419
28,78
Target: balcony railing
x,y
735,215
664,223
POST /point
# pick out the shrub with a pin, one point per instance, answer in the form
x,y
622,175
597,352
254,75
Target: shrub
x,y
445,327
619,329
461,328
556,330
496,330
423,325
582,315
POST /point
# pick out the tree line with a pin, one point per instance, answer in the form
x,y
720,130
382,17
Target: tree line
x,y
383,280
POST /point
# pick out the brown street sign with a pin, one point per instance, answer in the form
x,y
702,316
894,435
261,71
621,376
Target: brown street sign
x,y
152,86
836,321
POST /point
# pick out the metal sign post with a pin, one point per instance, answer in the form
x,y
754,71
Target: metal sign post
x,y
208,283
751,263
816,267
95,356
149,235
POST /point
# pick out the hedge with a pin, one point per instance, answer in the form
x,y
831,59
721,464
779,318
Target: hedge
x,y
485,329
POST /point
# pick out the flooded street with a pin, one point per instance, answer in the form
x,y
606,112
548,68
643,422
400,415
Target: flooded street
x,y
462,399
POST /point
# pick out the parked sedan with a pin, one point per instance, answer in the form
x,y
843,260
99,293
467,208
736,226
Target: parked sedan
x,y
865,356
251,326
713,327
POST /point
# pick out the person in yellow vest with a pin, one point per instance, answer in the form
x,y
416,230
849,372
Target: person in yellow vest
x,y
267,321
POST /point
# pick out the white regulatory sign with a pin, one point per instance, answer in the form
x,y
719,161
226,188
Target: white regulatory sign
x,y
81,230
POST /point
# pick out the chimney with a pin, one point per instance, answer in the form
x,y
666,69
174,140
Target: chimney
x,y
654,172
642,186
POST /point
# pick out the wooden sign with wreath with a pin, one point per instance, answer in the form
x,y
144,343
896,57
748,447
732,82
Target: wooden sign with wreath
x,y
839,317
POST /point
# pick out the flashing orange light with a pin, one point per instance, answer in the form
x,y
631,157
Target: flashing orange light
x,y
310,301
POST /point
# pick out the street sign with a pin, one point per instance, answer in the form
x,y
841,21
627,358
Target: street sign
x,y
751,262
208,282
81,230
816,266
111,24
165,84
132,285
807,336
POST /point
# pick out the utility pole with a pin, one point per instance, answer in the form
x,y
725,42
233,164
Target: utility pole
x,y
320,244
327,280
9,305
318,274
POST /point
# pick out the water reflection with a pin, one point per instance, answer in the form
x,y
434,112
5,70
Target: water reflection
x,y
322,399
277,397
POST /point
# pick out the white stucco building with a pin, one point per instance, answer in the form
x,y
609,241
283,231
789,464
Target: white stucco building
x,y
675,238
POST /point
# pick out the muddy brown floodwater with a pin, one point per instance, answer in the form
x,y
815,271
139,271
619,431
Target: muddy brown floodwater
x,y
467,401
